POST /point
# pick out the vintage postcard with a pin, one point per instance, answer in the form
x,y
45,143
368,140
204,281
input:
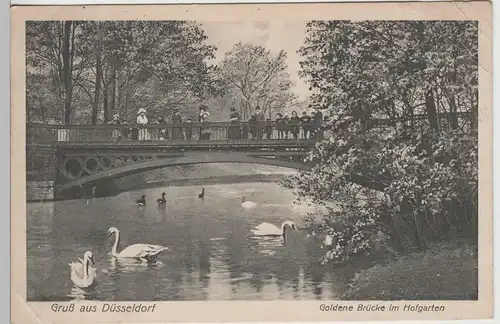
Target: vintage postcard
x,y
271,162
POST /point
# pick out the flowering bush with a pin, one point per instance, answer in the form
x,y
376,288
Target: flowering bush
x,y
414,175
417,187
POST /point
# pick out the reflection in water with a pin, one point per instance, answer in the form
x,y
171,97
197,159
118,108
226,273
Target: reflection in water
x,y
77,293
213,256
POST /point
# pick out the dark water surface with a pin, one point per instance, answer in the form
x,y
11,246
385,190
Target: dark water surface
x,y
213,256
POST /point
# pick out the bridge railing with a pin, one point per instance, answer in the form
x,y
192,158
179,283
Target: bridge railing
x,y
196,132
219,131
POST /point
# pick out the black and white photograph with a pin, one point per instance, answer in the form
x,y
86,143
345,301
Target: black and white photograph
x,y
205,160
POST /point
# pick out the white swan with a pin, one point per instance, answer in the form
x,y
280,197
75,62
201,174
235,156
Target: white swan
x,y
143,252
82,274
268,229
247,204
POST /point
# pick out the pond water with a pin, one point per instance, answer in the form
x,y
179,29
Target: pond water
x,y
213,256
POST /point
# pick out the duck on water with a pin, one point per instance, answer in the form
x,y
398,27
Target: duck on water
x,y
162,200
141,201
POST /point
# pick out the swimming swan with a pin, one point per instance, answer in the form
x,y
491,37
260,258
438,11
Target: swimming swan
x,y
82,274
162,200
143,252
247,204
142,201
268,229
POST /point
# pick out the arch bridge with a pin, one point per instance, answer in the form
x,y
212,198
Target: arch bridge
x,y
88,154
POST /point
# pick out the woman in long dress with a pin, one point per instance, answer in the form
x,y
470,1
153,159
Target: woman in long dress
x,y
203,118
142,122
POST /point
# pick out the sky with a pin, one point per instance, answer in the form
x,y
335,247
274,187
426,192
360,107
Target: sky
x,y
275,35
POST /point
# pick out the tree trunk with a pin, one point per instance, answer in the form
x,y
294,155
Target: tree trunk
x,y
453,103
430,106
97,90
474,112
42,112
67,71
118,92
105,106
113,90
126,92
453,113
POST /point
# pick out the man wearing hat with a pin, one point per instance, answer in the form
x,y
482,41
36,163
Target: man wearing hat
x,y
259,118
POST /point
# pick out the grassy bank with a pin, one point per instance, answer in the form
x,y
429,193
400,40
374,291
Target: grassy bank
x,y
445,271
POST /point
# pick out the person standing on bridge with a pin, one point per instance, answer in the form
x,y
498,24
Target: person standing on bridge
x,y
116,133
280,125
260,120
163,133
305,122
234,132
252,125
294,125
189,128
286,122
142,122
269,129
177,133
202,119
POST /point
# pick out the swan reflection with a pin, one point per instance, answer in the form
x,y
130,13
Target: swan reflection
x,y
82,293
127,265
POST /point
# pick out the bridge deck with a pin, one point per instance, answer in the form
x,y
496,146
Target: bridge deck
x,y
181,144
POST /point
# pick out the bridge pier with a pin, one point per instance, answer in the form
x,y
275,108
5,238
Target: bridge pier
x,y
39,190
41,174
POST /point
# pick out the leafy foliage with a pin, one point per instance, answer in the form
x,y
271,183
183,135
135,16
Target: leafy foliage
x,y
415,179
120,66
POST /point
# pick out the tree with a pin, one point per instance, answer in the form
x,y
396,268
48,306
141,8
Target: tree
x,y
120,66
391,69
255,77
413,179
50,47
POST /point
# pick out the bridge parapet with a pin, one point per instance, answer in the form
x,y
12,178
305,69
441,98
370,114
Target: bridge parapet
x,y
181,134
